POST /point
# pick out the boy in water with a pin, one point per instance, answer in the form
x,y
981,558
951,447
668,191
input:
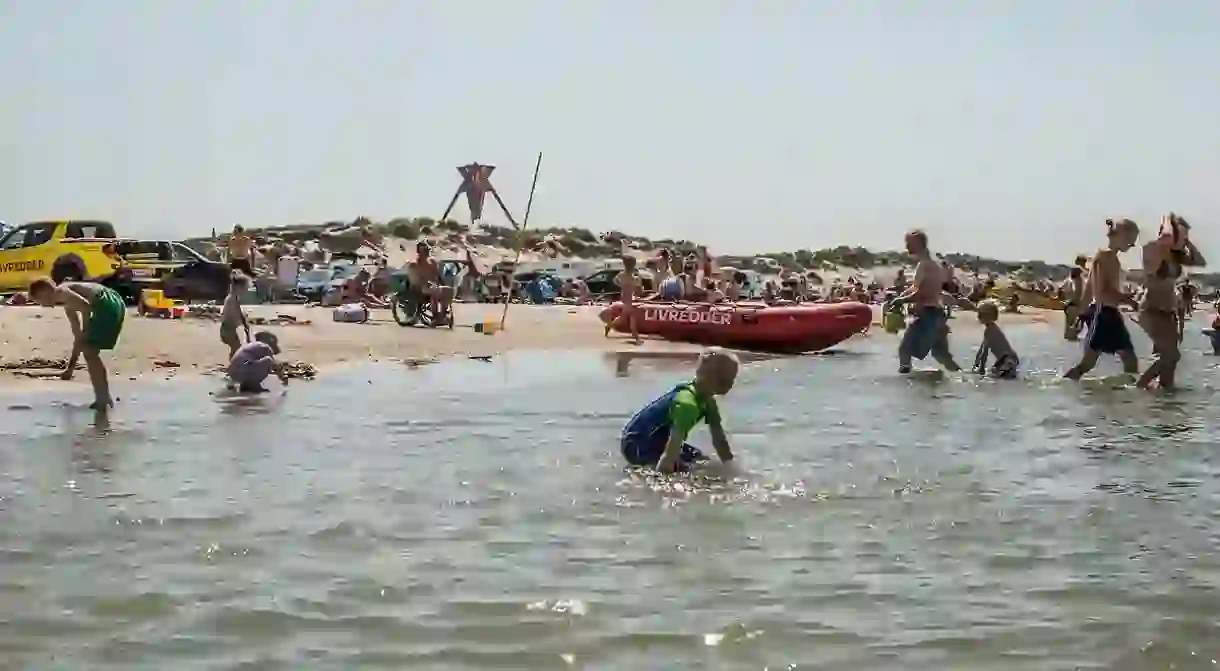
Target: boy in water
x,y
995,342
232,316
656,436
95,313
254,362
627,283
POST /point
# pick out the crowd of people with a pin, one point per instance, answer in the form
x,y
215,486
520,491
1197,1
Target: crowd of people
x,y
1093,294
655,437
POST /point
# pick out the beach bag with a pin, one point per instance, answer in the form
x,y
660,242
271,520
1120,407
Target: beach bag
x,y
352,313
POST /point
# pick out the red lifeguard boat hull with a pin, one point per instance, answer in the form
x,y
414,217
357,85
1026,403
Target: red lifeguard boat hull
x,y
792,328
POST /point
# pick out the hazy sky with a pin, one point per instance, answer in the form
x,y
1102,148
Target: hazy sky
x,y
1009,129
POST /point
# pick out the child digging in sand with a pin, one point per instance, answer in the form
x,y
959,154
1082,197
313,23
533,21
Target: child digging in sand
x,y
656,435
95,313
232,316
995,342
254,362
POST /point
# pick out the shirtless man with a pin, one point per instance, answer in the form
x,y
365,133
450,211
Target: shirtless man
x,y
241,246
1107,329
424,273
929,331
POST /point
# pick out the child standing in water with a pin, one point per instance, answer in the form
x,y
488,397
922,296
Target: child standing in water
x,y
995,342
232,316
627,289
1107,329
95,313
656,435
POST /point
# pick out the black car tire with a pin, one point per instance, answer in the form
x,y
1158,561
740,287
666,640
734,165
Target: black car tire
x,y
66,272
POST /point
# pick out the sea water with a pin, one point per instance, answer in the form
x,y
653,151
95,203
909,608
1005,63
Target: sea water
x,y
476,515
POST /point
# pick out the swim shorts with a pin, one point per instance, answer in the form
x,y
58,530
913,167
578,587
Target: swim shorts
x,y
106,313
648,454
1005,367
926,331
1108,331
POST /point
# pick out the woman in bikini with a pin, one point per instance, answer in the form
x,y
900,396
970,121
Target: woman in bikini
x,y
1160,317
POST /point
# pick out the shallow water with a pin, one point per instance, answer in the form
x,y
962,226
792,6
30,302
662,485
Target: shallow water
x,y
476,515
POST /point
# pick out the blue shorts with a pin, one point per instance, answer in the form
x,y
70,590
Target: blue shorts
x,y
925,333
645,454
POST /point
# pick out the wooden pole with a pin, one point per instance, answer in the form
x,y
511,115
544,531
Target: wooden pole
x,y
529,204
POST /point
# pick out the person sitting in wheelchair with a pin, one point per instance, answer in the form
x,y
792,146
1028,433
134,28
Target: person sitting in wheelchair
x,y
424,275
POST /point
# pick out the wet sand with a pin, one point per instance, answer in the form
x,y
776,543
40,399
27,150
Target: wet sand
x,y
163,347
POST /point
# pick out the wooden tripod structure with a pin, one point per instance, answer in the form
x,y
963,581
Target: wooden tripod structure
x,y
476,184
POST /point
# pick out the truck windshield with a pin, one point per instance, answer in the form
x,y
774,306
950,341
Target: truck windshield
x,y
89,229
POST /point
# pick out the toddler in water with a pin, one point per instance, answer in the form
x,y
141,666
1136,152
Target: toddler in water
x,y
994,342
254,362
232,316
656,435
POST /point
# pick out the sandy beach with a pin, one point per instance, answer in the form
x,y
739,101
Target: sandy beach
x,y
159,348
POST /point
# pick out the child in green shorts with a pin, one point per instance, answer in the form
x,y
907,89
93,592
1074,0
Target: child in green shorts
x,y
95,313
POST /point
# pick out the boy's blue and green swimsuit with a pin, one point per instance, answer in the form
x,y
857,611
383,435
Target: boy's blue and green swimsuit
x,y
680,409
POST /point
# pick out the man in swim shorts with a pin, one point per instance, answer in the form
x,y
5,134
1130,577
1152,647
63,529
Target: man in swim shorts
x,y
929,330
95,313
656,435
254,362
1107,329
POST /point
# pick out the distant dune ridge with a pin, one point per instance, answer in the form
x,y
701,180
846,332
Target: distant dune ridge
x,y
492,243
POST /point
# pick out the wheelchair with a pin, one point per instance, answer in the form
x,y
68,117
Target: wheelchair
x,y
410,308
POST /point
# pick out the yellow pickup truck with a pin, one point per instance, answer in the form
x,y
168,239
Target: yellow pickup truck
x,y
62,250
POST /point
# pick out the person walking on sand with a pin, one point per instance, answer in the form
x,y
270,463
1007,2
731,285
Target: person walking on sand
x,y
929,330
1107,329
95,313
1164,259
627,289
241,248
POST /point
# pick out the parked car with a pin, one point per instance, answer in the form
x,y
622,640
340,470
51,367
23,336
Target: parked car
x,y
315,283
181,272
606,281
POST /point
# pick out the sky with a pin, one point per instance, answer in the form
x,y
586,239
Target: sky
x,y
1007,129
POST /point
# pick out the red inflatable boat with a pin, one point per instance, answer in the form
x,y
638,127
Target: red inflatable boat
x,y
794,328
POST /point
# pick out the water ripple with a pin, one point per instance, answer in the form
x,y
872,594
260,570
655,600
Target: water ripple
x,y
480,517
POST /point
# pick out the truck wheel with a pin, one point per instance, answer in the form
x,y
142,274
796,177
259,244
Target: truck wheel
x,y
66,272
